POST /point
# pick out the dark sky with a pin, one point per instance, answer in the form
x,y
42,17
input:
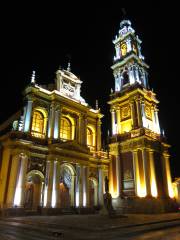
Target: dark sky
x,y
41,40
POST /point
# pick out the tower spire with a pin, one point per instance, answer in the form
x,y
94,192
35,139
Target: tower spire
x,y
69,66
33,77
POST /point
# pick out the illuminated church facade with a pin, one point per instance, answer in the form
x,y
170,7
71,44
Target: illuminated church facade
x,y
139,168
50,151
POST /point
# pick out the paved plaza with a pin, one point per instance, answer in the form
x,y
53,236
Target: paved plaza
x,y
79,227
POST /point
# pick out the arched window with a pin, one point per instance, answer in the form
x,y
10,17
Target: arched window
x,y
65,129
89,137
38,125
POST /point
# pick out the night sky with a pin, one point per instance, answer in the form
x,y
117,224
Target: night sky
x,y
42,41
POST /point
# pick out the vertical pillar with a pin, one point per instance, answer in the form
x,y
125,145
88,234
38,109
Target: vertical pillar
x,y
143,114
146,172
98,134
118,120
113,122
58,203
57,124
28,116
101,184
131,75
139,115
49,182
136,173
156,120
153,174
120,81
81,187
153,119
118,179
167,175
4,173
12,181
54,185
73,191
20,184
84,182
51,121
133,114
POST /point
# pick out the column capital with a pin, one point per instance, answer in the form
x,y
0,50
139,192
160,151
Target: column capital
x,y
112,110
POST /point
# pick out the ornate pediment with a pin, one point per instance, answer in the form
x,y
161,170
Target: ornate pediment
x,y
73,146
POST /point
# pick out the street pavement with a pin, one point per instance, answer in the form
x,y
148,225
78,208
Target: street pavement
x,y
81,227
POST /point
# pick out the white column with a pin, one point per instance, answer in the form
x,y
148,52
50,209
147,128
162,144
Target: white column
x,y
101,187
156,120
137,74
146,172
20,184
143,114
131,76
118,53
79,186
128,43
54,187
57,124
28,116
84,182
12,180
113,122
48,183
51,121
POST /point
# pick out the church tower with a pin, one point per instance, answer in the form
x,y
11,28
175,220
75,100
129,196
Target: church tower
x,y
139,153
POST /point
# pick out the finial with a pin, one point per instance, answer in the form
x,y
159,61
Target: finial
x,y
69,66
33,77
111,90
59,67
97,105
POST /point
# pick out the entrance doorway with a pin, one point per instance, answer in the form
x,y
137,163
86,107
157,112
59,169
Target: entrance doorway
x,y
66,186
93,200
33,190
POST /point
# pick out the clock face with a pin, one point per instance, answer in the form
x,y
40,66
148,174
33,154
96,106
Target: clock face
x,y
123,49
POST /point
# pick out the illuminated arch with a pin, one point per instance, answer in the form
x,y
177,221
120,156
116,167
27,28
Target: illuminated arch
x,y
35,172
68,180
39,122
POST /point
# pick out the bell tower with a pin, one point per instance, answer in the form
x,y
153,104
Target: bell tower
x,y
139,152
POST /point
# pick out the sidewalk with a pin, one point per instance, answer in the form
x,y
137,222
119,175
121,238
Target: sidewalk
x,y
95,222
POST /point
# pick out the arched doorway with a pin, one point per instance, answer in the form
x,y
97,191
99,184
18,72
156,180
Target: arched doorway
x,y
66,186
33,189
93,200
